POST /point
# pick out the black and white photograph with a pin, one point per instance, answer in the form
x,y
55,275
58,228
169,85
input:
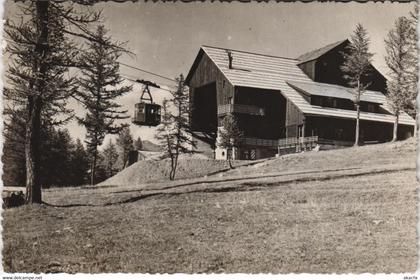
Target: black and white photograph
x,y
202,137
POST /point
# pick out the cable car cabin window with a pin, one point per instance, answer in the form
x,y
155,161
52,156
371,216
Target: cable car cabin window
x,y
146,114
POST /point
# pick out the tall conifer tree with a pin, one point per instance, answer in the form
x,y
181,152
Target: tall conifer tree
x,y
357,66
100,85
174,133
399,57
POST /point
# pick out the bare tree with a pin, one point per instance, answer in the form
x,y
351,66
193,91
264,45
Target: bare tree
x,y
174,133
230,136
399,57
356,66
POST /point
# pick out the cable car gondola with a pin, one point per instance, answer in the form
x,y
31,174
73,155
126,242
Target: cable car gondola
x,y
146,112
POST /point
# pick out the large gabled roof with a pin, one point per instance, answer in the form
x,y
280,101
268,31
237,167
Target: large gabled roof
x,y
255,70
319,52
281,73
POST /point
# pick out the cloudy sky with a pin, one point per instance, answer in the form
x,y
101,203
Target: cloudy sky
x,y
165,37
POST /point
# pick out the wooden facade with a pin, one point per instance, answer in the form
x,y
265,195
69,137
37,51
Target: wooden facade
x,y
209,88
271,124
344,130
294,120
270,107
325,68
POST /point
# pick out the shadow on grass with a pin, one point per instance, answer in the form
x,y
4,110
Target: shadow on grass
x,y
69,205
240,179
243,187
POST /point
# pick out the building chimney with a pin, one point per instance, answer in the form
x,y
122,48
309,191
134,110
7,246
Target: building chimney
x,y
229,53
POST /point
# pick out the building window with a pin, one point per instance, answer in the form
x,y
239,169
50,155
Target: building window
x,y
371,108
316,100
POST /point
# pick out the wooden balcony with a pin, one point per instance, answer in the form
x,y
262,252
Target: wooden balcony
x,y
241,109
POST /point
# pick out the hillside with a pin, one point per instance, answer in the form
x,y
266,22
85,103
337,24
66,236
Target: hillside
x,y
342,211
148,171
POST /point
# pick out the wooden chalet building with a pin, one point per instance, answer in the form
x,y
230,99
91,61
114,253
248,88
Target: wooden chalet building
x,y
280,100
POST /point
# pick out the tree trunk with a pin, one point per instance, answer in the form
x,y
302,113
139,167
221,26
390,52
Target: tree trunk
x,y
174,166
32,154
229,156
93,167
395,131
32,157
172,173
356,140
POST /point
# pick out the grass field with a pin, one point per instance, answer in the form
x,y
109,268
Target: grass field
x,y
351,210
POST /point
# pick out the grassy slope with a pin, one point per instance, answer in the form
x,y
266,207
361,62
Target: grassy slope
x,y
349,224
156,171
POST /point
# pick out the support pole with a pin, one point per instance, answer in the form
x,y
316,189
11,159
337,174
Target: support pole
x,y
303,134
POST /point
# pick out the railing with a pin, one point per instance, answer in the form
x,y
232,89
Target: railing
x,y
291,145
335,142
260,142
240,108
294,140
285,142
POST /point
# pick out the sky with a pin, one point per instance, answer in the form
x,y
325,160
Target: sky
x,y
166,37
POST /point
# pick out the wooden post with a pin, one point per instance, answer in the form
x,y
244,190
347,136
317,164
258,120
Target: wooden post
x,y
303,134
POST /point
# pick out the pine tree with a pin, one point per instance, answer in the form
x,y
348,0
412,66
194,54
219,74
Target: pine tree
x,y
174,133
98,91
357,66
56,164
399,55
41,53
138,144
109,159
79,164
413,69
230,136
38,50
13,158
125,145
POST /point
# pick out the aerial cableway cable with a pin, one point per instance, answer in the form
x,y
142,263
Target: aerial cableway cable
x,y
140,81
148,72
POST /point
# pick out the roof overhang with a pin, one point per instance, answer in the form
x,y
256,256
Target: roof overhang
x,y
335,91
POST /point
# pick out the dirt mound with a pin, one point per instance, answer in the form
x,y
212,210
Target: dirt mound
x,y
148,171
